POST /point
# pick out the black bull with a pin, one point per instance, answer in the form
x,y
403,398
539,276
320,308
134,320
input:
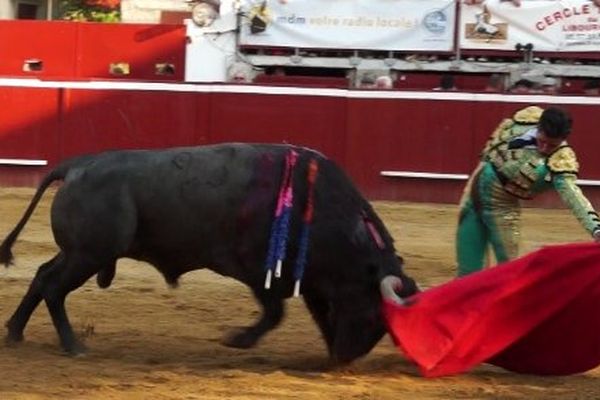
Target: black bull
x,y
182,209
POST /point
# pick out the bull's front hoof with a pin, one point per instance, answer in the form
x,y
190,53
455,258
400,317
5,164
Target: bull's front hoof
x,y
75,350
13,339
14,334
335,363
241,338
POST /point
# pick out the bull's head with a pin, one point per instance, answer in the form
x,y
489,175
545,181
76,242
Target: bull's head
x,y
345,293
359,324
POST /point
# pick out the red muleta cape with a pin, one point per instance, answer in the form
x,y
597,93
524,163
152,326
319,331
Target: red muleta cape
x,y
538,314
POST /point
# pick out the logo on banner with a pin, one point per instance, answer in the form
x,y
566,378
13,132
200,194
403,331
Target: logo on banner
x,y
436,22
260,17
484,29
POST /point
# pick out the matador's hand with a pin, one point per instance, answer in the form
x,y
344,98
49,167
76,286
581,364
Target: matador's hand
x,y
596,235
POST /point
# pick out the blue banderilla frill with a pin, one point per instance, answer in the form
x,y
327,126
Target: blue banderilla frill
x,y
280,227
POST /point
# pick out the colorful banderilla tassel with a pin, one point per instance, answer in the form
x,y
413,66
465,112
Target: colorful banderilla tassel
x,y
313,168
281,222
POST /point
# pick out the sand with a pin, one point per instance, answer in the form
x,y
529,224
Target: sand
x,y
148,341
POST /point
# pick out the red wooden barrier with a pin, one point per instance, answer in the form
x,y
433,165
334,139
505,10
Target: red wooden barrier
x,y
94,120
311,121
141,49
70,50
40,49
30,125
365,131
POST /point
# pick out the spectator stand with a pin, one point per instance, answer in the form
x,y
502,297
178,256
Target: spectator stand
x,y
421,69
335,78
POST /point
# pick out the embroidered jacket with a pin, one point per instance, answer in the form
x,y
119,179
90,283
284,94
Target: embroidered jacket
x,y
524,172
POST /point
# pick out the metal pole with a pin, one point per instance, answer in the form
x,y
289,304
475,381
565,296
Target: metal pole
x,y
457,22
49,7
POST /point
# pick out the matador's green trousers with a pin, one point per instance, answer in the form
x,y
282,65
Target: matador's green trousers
x,y
488,216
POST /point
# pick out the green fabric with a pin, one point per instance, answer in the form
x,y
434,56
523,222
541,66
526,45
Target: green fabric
x,y
471,241
573,198
486,225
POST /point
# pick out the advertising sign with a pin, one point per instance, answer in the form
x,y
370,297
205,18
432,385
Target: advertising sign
x,y
403,25
549,25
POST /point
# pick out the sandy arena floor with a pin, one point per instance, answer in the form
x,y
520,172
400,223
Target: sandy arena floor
x,y
147,341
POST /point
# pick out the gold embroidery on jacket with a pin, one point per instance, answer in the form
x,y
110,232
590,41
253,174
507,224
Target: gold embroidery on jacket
x,y
563,161
499,136
528,115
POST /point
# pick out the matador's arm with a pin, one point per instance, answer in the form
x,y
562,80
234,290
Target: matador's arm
x,y
564,167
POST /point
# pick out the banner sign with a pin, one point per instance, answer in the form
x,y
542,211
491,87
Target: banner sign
x,y
403,25
549,25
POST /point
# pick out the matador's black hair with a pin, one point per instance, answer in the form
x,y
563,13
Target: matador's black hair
x,y
555,122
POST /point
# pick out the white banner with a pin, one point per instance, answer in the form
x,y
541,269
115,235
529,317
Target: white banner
x,y
403,25
550,25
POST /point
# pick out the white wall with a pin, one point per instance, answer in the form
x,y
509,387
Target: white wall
x,y
7,9
149,11
210,52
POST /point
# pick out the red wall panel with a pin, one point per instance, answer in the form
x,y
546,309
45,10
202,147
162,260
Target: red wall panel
x,y
408,135
86,50
364,135
30,123
94,120
141,46
585,139
53,43
317,122
417,80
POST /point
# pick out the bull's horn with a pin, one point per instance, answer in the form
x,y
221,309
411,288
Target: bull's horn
x,y
389,287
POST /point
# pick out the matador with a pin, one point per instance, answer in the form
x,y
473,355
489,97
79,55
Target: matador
x,y
526,155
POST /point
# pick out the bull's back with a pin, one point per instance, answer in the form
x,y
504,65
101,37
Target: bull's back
x,y
205,205
176,200
198,195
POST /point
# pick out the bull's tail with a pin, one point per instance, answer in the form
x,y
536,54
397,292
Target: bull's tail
x,y
59,173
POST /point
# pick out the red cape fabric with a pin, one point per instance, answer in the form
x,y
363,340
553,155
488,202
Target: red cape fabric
x,y
537,314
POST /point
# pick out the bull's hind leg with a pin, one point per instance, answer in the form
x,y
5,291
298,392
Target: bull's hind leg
x,y
70,274
16,324
273,310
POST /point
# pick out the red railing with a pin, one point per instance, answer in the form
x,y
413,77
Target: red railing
x,y
75,50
